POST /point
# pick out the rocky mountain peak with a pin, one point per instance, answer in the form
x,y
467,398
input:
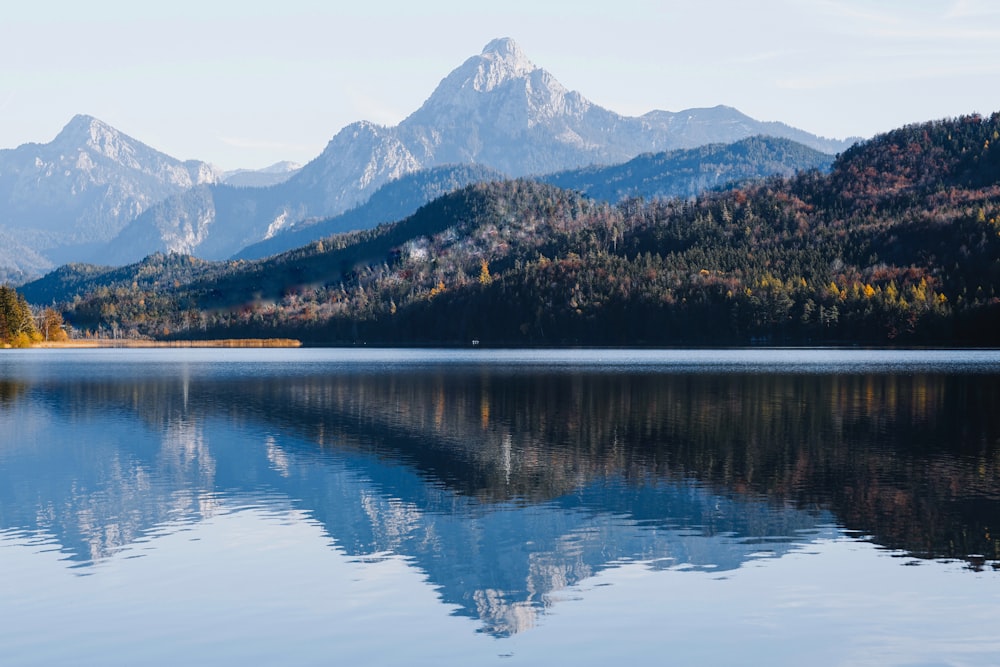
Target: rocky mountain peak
x,y
501,60
84,131
92,139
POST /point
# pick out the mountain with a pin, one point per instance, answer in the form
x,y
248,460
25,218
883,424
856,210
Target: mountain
x,y
278,172
689,172
897,244
723,124
59,199
500,109
497,110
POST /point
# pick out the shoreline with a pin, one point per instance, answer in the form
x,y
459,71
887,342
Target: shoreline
x,y
96,343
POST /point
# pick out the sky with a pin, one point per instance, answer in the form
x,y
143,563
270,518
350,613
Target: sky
x,y
244,84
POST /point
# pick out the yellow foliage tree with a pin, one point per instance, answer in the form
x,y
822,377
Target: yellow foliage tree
x,y
51,325
484,273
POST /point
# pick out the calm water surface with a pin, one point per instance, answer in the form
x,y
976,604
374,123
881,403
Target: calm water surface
x,y
784,507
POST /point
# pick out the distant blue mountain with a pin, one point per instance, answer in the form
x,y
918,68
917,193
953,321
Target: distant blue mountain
x,y
690,172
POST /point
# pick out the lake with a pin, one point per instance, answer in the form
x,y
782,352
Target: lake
x,y
469,507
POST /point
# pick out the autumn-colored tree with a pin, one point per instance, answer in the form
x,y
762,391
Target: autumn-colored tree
x,y
50,325
484,273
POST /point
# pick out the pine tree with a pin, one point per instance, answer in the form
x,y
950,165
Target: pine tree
x,y
17,327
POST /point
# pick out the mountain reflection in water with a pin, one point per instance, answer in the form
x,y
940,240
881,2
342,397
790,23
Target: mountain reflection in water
x,y
503,484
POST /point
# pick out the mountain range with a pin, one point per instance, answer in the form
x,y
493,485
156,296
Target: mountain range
x,y
896,244
95,193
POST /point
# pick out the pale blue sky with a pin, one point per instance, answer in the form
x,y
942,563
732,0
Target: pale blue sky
x,y
248,83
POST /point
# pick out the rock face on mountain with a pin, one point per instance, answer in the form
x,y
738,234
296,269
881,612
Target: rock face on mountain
x,y
81,189
499,109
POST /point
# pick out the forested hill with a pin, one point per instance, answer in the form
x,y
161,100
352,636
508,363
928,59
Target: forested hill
x,y
899,244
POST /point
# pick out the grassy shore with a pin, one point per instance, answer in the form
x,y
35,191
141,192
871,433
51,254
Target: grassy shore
x,y
228,342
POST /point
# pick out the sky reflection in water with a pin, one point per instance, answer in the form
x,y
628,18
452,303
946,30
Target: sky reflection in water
x,y
425,507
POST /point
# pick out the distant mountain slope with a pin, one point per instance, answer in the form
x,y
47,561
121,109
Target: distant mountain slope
x,y
18,262
723,124
497,110
393,201
59,198
261,178
689,172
